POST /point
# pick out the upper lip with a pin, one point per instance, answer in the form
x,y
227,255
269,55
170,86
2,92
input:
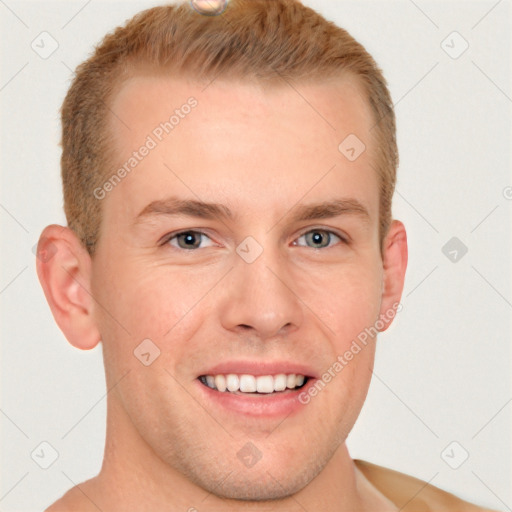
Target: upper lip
x,y
258,368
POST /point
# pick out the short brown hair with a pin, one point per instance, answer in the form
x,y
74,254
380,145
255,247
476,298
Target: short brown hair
x,y
264,40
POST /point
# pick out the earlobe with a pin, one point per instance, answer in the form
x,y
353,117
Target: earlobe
x,y
394,261
64,271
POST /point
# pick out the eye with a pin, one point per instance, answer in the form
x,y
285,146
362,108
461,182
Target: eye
x,y
321,238
191,239
186,239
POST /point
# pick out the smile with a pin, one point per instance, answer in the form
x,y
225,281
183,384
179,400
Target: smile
x,y
252,384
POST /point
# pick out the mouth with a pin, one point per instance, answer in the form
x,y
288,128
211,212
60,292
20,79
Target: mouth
x,y
255,385
256,389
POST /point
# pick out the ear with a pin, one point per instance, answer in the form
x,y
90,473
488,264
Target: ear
x,y
394,260
64,271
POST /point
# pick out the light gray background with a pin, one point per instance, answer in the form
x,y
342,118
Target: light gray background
x,y
442,371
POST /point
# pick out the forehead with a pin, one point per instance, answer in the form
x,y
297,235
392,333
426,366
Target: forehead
x,y
229,141
330,104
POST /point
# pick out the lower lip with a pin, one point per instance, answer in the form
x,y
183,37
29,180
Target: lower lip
x,y
269,405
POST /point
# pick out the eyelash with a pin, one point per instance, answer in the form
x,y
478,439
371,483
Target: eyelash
x,y
172,236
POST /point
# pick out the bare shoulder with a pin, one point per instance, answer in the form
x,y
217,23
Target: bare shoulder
x,y
411,494
74,500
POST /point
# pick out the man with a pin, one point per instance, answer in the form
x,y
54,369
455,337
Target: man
x,y
228,173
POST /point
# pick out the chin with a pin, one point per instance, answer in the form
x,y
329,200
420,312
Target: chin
x,y
271,478
263,485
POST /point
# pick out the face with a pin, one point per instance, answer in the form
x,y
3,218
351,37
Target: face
x,y
260,287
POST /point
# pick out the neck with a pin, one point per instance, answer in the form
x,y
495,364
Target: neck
x,y
134,477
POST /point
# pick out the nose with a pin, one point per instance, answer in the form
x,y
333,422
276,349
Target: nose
x,y
258,297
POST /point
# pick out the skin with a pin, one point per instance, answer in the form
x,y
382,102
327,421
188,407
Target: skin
x,y
261,152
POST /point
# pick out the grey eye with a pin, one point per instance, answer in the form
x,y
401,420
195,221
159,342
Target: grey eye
x,y
320,238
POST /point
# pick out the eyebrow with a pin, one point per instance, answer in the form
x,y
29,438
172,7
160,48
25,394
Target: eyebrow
x,y
174,206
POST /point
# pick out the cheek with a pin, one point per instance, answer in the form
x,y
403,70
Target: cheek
x,y
344,298
354,306
162,301
142,302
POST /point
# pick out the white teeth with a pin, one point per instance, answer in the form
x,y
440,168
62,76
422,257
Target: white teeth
x,y
232,382
280,382
247,383
250,383
265,384
220,382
